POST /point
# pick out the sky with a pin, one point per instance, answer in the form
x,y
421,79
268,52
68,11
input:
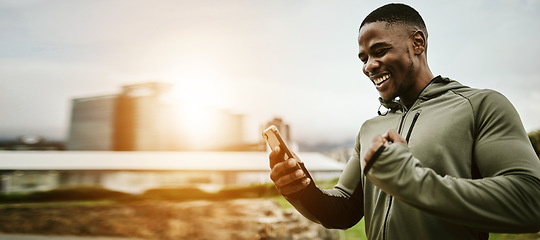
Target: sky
x,y
292,59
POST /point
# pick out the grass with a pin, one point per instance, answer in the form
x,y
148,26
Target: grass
x,y
505,236
357,232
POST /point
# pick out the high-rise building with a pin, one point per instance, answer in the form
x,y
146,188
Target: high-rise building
x,y
143,118
92,123
144,121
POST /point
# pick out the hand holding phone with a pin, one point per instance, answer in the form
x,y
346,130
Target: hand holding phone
x,y
289,189
274,139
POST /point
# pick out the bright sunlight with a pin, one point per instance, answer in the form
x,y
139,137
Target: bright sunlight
x,y
201,124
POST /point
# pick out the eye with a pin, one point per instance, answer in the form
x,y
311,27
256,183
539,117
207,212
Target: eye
x,y
381,52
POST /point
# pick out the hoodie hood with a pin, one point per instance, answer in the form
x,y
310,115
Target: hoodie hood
x,y
439,85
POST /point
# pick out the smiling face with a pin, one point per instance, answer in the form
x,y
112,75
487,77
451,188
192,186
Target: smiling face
x,y
389,60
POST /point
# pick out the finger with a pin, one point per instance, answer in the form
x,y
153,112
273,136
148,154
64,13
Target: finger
x,y
377,141
276,156
387,138
275,173
385,135
364,162
394,136
296,157
282,168
293,188
289,178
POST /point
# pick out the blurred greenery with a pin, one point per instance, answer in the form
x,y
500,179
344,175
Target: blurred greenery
x,y
504,236
194,193
94,193
80,193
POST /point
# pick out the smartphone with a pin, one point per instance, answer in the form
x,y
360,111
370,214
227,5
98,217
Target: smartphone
x,y
274,139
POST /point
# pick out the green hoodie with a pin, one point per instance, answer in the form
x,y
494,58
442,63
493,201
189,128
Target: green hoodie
x,y
468,169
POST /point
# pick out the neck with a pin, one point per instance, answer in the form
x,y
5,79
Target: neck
x,y
422,80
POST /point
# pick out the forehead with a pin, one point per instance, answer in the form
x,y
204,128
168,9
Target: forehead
x,y
379,32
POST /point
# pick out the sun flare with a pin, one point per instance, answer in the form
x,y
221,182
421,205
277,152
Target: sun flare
x,y
198,120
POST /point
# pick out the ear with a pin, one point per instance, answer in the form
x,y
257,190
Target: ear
x,y
419,42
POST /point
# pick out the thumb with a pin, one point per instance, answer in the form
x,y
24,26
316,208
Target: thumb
x,y
276,156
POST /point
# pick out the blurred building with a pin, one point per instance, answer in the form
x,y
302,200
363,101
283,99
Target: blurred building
x,y
31,143
92,123
144,117
144,120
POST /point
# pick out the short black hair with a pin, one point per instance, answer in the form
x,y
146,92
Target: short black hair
x,y
396,13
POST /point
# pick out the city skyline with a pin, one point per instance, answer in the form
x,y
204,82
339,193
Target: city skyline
x,y
294,60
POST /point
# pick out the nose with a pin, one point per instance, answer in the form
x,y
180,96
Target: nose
x,y
371,66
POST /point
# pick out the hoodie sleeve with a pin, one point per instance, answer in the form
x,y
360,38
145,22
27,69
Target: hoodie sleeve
x,y
507,196
340,207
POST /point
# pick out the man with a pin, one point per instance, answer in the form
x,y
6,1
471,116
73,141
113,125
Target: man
x,y
445,161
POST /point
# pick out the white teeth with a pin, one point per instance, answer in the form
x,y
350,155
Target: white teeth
x,y
378,81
